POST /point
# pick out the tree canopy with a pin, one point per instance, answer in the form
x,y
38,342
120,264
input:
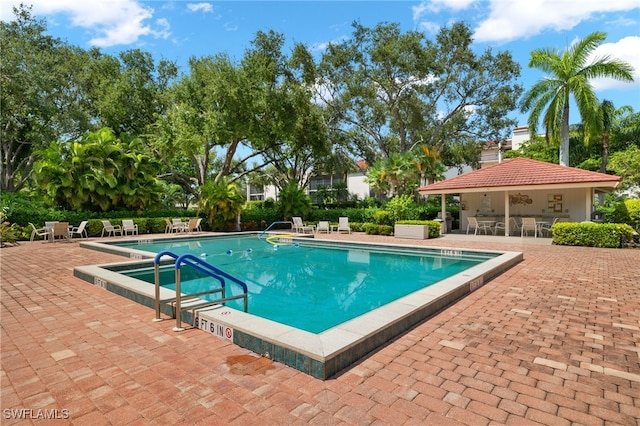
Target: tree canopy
x,y
248,114
52,91
75,122
390,92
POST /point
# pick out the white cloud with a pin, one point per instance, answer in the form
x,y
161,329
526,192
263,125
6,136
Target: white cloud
x,y
509,20
164,31
322,46
428,27
230,28
438,5
200,7
113,22
626,49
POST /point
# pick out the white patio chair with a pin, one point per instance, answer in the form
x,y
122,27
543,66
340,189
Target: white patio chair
x,y
129,226
110,229
40,232
299,226
529,224
323,226
81,230
472,222
546,227
179,225
343,224
514,225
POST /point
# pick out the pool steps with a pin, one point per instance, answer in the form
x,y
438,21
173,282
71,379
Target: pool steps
x,y
192,301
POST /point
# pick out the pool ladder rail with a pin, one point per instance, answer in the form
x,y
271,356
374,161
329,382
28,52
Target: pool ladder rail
x,y
281,222
192,301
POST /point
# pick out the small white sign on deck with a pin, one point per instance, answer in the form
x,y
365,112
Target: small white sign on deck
x,y
219,330
476,284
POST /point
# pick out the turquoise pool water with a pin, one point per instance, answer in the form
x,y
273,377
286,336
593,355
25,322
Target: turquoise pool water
x,y
308,285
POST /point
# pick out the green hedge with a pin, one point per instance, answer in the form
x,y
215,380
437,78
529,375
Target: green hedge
x,y
375,229
591,234
434,227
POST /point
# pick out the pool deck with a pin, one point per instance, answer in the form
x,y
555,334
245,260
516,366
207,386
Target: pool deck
x,y
554,340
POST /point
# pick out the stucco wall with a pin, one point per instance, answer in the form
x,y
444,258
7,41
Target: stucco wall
x,y
542,204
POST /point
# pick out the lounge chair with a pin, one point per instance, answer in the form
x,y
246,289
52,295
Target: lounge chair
x,y
323,226
110,229
343,225
300,227
41,232
129,226
81,230
169,228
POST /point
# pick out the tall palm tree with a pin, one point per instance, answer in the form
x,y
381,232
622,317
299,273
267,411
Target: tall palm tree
x,y
568,74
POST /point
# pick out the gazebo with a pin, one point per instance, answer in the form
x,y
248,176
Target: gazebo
x,y
524,188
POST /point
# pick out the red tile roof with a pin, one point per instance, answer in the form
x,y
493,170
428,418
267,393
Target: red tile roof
x,y
520,172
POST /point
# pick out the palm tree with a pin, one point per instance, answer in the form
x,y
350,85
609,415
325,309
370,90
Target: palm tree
x,y
568,74
607,115
609,123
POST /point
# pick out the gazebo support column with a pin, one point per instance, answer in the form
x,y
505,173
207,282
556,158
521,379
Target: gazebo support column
x,y
589,203
443,214
506,214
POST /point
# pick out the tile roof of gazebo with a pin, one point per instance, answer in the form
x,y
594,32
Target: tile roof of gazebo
x,y
520,173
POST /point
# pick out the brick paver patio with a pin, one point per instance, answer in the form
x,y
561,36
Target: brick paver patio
x,y
554,341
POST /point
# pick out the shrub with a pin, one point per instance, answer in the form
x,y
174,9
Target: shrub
x,y
383,217
628,212
261,217
375,229
9,232
591,234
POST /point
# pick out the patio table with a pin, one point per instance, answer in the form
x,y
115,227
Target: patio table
x,y
540,224
488,223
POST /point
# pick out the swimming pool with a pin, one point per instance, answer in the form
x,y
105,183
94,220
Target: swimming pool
x,y
367,308
306,285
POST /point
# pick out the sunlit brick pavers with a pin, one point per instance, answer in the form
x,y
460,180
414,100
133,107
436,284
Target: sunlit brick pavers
x,y
554,341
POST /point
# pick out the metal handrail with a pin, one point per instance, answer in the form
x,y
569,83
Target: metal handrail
x,y
275,223
202,266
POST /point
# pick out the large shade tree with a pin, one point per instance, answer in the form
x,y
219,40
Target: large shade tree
x,y
53,91
568,73
230,119
38,102
125,92
388,91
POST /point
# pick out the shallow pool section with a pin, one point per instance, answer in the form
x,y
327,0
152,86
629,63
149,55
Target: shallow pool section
x,y
333,336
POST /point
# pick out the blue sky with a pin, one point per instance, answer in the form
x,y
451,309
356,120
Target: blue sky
x,y
179,29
